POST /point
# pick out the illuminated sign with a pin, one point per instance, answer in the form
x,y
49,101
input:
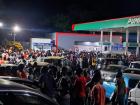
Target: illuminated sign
x,y
131,44
41,44
135,20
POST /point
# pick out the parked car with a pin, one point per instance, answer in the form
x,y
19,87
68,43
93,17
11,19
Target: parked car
x,y
12,93
134,95
8,69
32,84
132,71
111,70
104,62
55,60
130,80
40,64
38,68
135,64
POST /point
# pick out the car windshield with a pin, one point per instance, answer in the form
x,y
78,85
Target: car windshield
x,y
133,83
111,61
134,65
113,68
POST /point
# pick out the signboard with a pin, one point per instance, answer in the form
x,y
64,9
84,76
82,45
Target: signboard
x,y
41,44
105,43
135,20
131,44
112,23
79,48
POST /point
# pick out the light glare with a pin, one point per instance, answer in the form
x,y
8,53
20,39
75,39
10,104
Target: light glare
x,y
16,29
1,24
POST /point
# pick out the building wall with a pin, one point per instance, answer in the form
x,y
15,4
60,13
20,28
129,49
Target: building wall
x,y
66,40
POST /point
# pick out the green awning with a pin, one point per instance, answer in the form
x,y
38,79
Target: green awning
x,y
108,24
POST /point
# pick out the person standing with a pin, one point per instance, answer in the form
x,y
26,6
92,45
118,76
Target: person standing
x,y
64,87
97,91
80,88
120,89
21,72
47,82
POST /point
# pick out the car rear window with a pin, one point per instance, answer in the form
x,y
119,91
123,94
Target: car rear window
x,y
134,65
132,71
133,83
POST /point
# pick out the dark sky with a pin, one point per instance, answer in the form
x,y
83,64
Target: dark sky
x,y
42,14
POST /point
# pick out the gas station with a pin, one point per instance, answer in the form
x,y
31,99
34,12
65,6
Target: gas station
x,y
124,25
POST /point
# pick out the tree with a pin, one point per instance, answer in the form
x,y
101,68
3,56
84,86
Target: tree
x,y
16,45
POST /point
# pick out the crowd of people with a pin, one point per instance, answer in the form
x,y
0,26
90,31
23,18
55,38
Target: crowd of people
x,y
78,82
15,57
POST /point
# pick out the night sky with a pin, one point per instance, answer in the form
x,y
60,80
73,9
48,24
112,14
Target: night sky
x,y
59,15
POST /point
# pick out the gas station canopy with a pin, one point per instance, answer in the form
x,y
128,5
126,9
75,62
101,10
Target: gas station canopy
x,y
117,25
123,25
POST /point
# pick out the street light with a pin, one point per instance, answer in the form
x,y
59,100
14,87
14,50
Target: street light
x,y
1,24
16,29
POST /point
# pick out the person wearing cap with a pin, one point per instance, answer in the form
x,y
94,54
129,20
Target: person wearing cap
x,y
120,90
97,91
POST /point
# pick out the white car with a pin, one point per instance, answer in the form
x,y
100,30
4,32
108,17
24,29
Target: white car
x,y
134,95
112,70
135,64
132,71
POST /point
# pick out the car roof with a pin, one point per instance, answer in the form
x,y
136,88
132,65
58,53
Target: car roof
x,y
132,71
9,77
4,65
108,58
8,85
116,65
136,62
41,63
14,78
135,69
54,57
